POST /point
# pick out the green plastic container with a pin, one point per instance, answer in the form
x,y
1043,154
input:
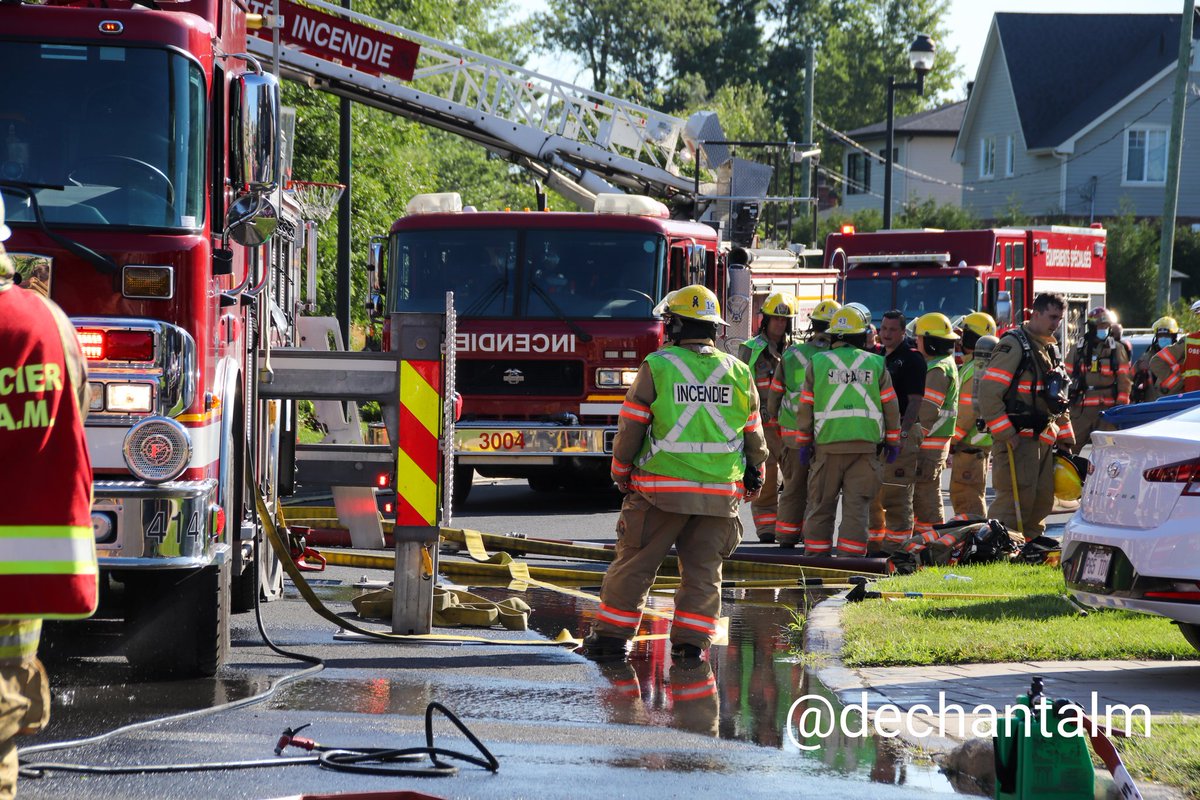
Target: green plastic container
x,y
1031,765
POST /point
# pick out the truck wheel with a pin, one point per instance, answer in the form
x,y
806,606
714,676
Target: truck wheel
x,y
464,477
1190,632
544,483
179,621
270,578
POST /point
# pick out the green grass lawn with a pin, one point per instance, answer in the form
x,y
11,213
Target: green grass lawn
x,y
1037,624
1170,755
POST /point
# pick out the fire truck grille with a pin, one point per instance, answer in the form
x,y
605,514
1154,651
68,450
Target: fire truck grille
x,y
519,378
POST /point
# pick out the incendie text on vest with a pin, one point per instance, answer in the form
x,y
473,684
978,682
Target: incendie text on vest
x,y
848,376
24,413
700,393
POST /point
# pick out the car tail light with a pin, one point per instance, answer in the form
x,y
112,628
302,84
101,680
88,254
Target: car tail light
x,y
116,345
1186,472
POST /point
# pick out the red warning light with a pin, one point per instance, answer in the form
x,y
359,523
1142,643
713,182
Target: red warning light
x,y
847,229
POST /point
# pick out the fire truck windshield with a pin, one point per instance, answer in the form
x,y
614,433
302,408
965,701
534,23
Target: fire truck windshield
x,y
551,274
121,129
952,295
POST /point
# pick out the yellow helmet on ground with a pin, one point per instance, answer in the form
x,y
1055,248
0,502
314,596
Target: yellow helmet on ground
x,y
1167,324
824,311
937,325
979,323
781,304
847,322
695,302
1068,483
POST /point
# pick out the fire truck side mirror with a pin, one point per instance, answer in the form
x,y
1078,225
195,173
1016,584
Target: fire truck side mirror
x,y
1004,308
375,263
254,161
251,220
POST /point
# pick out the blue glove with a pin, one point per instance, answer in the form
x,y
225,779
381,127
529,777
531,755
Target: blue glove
x,y
805,454
893,452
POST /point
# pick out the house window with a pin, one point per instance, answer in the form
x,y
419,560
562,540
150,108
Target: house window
x,y
987,158
858,173
1146,155
1009,156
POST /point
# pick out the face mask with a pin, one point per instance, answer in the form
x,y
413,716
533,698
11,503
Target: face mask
x,y
1165,341
1101,333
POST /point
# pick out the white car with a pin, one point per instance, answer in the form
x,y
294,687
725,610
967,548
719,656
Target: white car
x,y
1134,543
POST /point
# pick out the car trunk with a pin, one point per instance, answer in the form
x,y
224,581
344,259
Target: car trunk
x,y
1116,493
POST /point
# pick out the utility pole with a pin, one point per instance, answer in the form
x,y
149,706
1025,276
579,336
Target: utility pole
x,y
808,186
1166,248
343,241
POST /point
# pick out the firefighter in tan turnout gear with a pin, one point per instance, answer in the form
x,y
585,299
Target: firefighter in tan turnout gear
x,y
937,415
782,405
848,414
970,446
689,448
1099,366
762,355
1024,398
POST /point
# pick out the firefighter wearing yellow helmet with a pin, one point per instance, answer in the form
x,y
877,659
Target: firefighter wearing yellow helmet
x,y
1100,374
783,403
762,354
970,446
1150,372
848,413
689,448
936,415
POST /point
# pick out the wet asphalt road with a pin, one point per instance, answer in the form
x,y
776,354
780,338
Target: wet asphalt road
x,y
559,725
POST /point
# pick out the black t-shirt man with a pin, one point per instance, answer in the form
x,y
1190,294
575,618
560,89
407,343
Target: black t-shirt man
x,y
907,369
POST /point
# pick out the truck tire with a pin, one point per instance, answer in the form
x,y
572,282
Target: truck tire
x,y
1190,632
179,621
464,477
544,482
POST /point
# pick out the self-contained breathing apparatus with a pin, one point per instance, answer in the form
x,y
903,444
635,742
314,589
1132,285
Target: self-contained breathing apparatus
x,y
1053,385
1086,360
983,354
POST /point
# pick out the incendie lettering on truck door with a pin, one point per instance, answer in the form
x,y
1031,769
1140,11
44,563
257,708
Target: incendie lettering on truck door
x,y
515,342
1059,257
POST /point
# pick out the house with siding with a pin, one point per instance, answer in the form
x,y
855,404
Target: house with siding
x,y
922,168
1071,114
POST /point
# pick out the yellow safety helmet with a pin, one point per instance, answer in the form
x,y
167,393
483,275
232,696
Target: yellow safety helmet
x,y
848,321
937,325
825,310
781,304
979,323
695,302
1168,324
1068,483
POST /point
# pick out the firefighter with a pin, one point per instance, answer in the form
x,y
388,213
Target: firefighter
x,y
970,446
891,510
848,414
1024,397
1145,381
689,448
1100,379
762,354
1176,368
782,405
47,475
937,415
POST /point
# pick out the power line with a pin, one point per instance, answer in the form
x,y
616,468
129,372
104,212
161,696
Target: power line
x,y
882,160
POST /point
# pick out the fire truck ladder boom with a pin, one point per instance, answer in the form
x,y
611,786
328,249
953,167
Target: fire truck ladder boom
x,y
581,142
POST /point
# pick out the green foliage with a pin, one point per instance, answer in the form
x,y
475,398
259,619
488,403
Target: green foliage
x,y
1132,268
745,113
931,214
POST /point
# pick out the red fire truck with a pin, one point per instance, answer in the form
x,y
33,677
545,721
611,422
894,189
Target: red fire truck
x,y
999,270
138,156
555,312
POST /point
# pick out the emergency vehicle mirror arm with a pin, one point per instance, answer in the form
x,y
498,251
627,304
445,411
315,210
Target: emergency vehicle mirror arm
x,y
583,335
102,262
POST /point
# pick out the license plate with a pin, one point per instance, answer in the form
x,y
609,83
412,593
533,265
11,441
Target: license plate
x,y
1095,565
495,442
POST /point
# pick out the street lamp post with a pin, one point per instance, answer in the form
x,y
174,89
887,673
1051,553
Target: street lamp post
x,y
921,54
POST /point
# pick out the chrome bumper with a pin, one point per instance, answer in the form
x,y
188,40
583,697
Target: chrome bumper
x,y
523,442
158,526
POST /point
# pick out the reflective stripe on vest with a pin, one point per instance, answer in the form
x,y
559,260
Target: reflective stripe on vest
x,y
796,361
19,639
944,427
698,422
48,570
1190,373
757,346
846,402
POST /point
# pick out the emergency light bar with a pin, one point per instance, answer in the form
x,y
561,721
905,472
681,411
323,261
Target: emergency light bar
x,y
901,258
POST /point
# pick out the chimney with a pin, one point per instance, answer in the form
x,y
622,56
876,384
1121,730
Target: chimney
x,y
970,88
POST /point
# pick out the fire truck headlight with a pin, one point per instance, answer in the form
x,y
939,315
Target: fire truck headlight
x,y
157,449
129,397
95,397
615,377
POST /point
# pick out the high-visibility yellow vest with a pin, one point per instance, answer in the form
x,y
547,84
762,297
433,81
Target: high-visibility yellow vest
x,y
1191,364
847,406
948,413
700,411
966,378
755,348
796,361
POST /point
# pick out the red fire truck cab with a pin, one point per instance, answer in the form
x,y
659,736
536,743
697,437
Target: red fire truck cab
x,y
555,312
998,270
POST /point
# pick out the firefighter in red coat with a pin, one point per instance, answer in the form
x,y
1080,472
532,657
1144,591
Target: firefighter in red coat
x,y
47,476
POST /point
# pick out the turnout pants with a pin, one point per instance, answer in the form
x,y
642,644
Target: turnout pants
x,y
928,505
24,709
896,495
645,535
968,482
1034,462
855,477
1084,420
793,500
765,507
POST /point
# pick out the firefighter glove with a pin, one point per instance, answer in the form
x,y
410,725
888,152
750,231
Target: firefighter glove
x,y
805,454
892,452
753,478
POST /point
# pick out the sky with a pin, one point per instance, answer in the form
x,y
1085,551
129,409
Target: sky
x,y
968,22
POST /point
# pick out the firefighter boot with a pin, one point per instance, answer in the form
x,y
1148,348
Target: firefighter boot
x,y
604,648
